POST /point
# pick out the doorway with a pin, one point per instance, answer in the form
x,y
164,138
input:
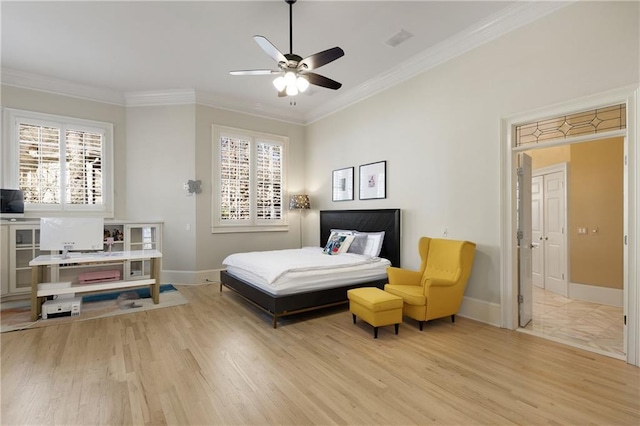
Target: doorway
x,y
628,98
578,287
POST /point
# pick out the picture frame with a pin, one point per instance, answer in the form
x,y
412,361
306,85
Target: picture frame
x,y
373,180
342,184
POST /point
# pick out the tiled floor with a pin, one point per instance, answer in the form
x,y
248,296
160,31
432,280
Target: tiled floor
x,y
586,325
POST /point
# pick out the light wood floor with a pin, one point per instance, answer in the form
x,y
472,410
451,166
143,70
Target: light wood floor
x,y
218,361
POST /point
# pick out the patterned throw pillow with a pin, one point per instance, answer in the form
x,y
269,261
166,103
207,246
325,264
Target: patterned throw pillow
x,y
337,243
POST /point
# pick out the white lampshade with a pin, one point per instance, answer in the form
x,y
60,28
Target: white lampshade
x,y
292,89
280,83
302,83
290,78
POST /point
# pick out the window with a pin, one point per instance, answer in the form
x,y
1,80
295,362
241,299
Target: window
x,y
248,181
589,122
60,163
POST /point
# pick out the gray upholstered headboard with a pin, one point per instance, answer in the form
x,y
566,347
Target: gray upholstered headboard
x,y
387,220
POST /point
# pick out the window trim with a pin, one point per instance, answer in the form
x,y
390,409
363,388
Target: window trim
x,y
255,225
10,161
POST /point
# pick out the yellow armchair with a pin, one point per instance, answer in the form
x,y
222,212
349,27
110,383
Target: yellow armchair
x,y
436,290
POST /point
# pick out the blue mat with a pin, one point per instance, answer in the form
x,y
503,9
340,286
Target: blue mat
x,y
143,292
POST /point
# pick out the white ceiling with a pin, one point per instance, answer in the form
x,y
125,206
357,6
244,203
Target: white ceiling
x,y
159,47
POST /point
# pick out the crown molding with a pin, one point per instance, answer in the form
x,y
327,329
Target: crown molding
x,y
507,20
160,98
26,80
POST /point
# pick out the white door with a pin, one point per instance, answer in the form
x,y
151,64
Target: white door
x,y
555,278
525,296
537,220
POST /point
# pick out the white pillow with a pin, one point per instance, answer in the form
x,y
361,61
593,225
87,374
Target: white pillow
x,y
374,243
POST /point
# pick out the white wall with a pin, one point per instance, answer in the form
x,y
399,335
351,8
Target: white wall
x,y
160,158
440,131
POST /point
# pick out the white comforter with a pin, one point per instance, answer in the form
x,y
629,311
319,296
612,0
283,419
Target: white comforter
x,y
294,270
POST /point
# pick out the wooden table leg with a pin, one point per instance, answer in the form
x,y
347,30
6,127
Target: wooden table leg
x,y
35,305
155,274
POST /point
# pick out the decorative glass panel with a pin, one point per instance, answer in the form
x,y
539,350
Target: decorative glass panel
x,y
578,124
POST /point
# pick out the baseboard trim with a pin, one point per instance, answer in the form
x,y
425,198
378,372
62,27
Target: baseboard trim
x,y
482,311
191,277
596,294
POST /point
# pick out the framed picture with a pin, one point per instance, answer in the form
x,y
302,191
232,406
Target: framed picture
x,y
373,180
343,184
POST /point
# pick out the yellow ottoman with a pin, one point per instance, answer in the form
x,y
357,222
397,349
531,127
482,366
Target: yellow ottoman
x,y
376,307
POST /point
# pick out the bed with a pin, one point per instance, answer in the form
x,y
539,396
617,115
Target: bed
x,y
279,305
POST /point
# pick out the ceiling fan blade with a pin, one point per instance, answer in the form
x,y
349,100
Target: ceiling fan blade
x,y
270,49
253,72
320,58
320,80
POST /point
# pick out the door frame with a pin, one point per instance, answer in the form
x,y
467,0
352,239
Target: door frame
x,y
508,241
564,169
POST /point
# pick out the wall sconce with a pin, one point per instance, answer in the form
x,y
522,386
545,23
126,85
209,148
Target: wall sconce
x,y
193,186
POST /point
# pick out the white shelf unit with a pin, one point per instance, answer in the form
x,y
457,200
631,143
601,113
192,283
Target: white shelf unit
x,y
20,243
24,245
41,264
140,236
88,288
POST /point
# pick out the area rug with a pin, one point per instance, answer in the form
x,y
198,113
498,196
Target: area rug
x,y
99,305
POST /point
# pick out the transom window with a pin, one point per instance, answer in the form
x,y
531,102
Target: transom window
x,y
60,163
249,180
594,121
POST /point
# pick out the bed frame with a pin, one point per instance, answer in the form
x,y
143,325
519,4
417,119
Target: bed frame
x,y
387,220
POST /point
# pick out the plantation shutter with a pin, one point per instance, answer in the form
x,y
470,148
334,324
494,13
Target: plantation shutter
x,y
83,167
235,179
249,181
60,163
40,153
268,181
39,163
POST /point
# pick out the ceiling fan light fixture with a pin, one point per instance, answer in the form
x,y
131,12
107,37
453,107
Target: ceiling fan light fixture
x,y
292,89
302,84
296,76
280,83
290,78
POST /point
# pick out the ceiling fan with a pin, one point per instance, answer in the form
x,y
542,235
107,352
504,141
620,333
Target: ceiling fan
x,y
295,72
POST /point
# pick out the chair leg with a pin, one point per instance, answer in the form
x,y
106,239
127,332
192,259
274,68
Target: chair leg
x,y
375,332
397,326
453,318
354,318
421,324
